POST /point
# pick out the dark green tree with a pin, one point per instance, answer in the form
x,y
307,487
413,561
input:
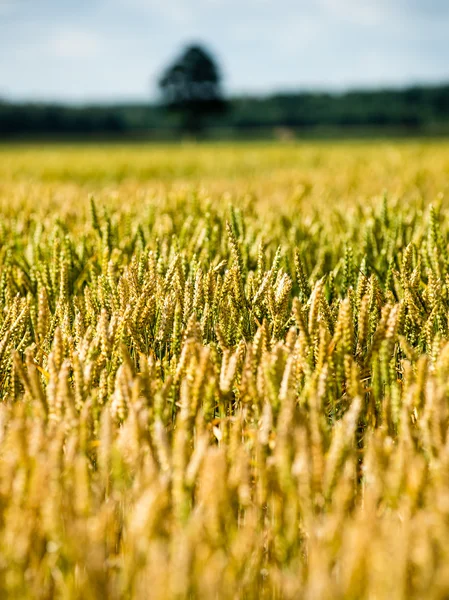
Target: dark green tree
x,y
191,87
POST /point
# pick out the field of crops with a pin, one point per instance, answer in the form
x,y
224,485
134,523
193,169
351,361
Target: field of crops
x,y
224,371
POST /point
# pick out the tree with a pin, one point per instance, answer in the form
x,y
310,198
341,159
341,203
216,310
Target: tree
x,y
191,87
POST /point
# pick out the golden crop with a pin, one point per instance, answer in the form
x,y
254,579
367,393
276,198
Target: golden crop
x,y
224,371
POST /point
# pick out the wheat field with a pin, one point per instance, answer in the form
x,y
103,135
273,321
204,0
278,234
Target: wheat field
x,y
224,371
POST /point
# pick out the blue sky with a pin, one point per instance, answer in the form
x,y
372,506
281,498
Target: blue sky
x,y
113,50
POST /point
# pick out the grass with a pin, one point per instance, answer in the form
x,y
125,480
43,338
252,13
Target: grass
x,y
224,371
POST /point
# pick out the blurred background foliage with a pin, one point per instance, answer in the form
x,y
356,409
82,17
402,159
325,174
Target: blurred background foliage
x,y
416,110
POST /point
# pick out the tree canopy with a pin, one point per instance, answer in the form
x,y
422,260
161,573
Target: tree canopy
x,y
191,86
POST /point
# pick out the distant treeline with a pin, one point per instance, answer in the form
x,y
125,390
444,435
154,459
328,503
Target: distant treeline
x,y
416,109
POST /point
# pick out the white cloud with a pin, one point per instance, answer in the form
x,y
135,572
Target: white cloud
x,y
71,43
174,11
364,14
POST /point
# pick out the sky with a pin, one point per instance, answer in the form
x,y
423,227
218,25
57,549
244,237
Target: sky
x,y
87,51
